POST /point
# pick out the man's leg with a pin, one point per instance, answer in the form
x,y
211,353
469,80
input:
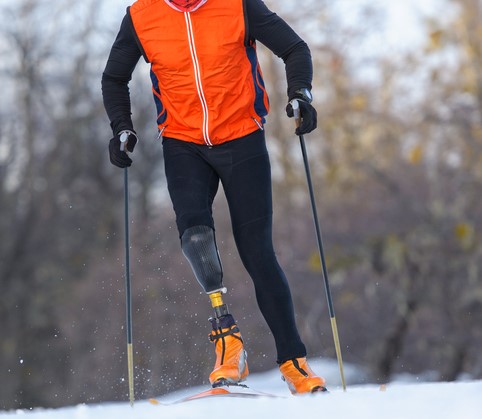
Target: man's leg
x,y
192,185
248,189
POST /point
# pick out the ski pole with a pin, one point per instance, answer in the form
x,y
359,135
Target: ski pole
x,y
130,356
331,309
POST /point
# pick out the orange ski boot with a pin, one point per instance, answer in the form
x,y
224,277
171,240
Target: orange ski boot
x,y
300,378
231,366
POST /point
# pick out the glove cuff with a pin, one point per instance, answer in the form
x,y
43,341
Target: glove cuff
x,y
303,94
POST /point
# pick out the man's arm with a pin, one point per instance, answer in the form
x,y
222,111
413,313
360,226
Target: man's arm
x,y
123,58
273,32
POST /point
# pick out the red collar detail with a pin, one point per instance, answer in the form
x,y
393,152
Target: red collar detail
x,y
185,5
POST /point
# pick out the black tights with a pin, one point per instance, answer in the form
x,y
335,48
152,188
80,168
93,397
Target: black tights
x,y
193,173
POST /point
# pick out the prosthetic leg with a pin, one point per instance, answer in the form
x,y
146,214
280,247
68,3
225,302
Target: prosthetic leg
x,y
199,247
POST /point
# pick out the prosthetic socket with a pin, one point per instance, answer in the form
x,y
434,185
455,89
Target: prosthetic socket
x,y
199,247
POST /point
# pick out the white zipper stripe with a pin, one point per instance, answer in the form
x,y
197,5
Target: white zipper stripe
x,y
197,74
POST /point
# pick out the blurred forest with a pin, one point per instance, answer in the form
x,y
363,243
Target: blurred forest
x,y
397,168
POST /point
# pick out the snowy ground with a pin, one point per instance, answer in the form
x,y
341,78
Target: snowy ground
x,y
402,399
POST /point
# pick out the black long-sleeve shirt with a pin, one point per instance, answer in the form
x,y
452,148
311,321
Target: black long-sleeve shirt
x,y
262,24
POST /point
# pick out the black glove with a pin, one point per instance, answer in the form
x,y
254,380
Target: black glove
x,y
307,114
117,153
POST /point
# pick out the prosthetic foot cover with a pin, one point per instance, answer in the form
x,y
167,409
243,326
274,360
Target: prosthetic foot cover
x,y
199,247
231,365
300,378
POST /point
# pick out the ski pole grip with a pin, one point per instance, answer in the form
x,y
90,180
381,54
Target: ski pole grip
x,y
296,112
123,140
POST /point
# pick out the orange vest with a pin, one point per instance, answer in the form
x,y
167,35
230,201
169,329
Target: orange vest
x,y
207,83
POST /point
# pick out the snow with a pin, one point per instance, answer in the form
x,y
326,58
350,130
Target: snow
x,y
401,399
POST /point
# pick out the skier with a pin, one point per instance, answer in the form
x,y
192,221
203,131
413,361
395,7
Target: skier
x,y
211,107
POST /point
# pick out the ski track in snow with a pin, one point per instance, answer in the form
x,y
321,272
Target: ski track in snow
x,y
396,400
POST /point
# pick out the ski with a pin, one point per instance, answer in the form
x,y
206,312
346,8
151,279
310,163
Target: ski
x,y
225,390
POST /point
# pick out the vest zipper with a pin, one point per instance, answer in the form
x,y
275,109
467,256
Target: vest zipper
x,y
197,75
